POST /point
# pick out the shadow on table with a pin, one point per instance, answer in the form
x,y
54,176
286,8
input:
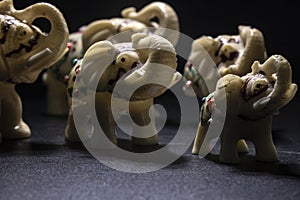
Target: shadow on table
x,y
26,146
249,164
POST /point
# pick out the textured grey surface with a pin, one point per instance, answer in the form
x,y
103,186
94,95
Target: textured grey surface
x,y
45,167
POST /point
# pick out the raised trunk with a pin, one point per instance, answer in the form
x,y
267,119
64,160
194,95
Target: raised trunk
x,y
166,16
284,90
158,72
50,47
97,31
254,49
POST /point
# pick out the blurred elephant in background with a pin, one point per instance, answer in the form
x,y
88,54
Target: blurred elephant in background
x,y
157,18
211,58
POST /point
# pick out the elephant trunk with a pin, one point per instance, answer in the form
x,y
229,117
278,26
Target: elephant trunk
x,y
254,49
96,31
158,72
6,6
50,46
166,16
284,90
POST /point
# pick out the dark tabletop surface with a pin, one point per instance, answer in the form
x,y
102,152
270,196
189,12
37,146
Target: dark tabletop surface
x,y
46,167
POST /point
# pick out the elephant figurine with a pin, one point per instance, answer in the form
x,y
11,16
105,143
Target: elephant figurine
x,y
130,22
25,52
228,54
138,62
251,101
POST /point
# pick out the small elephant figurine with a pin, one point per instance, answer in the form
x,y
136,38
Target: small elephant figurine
x,y
229,54
167,25
137,61
25,52
251,101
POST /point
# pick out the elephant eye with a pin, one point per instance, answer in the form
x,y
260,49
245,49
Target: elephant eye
x,y
258,85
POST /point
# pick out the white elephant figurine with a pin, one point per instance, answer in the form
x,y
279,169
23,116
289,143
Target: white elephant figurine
x,y
25,52
130,22
228,54
251,101
138,60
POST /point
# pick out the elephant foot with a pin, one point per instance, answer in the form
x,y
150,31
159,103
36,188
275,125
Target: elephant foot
x,y
242,146
145,141
229,154
20,131
267,157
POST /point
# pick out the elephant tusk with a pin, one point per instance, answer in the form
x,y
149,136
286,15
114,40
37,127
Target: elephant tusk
x,y
34,59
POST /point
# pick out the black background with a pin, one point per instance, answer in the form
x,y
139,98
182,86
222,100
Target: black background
x,y
278,20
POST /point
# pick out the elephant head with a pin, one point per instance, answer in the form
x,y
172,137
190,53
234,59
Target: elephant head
x,y
136,22
25,49
140,62
231,54
260,93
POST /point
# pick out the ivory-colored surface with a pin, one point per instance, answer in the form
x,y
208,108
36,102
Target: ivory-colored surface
x,y
140,59
251,102
131,21
228,54
25,52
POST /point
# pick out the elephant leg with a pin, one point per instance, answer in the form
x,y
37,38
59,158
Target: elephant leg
x,y
71,134
199,139
12,125
265,150
264,147
143,127
229,150
242,146
57,100
105,116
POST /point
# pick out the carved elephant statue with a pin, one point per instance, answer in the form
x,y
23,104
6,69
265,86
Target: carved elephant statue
x,y
228,54
166,25
251,101
25,52
137,61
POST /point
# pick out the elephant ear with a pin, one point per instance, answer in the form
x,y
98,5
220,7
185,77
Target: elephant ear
x,y
95,62
167,24
50,46
282,92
